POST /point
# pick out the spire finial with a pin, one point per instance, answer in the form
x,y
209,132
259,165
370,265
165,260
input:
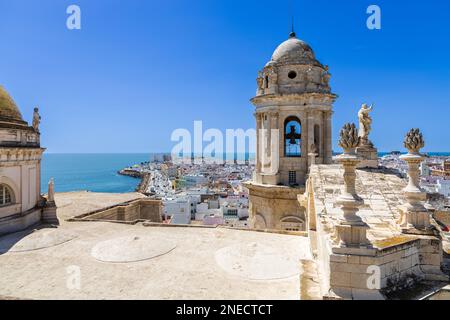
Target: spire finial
x,y
292,34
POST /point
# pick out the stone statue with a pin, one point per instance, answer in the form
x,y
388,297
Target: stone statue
x,y
365,124
414,141
273,76
349,138
36,119
51,191
260,80
326,76
313,149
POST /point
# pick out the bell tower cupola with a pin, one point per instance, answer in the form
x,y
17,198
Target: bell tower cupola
x,y
294,103
293,110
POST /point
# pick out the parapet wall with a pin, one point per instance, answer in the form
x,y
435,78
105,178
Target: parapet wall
x,y
141,209
392,262
378,271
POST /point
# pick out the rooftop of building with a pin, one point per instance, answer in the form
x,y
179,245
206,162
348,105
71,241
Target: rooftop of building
x,y
120,261
382,192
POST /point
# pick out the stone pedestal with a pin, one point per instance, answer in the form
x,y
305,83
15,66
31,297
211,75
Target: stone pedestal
x,y
49,213
415,217
268,179
351,230
368,155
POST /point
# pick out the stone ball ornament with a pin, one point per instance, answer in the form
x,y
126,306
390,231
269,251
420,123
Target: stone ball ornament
x,y
414,141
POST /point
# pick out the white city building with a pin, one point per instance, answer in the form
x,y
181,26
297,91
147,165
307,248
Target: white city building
x,y
179,210
443,187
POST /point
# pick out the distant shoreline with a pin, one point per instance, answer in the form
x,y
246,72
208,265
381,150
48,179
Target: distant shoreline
x,y
381,153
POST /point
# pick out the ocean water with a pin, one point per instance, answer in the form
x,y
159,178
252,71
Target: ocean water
x,y
92,172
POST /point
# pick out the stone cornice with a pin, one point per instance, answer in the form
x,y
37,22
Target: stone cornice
x,y
14,155
293,99
273,191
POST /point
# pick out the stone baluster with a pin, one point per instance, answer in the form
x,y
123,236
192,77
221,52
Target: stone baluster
x,y
415,217
351,230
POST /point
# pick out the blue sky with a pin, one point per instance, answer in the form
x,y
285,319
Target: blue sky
x,y
139,69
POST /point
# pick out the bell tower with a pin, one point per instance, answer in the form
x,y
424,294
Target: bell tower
x,y
293,111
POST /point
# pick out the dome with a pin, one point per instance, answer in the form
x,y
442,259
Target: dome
x,y
293,51
8,108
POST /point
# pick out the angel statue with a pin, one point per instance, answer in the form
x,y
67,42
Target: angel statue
x,y
365,124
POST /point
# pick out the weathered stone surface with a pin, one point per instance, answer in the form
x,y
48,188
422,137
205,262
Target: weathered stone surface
x,y
190,271
398,260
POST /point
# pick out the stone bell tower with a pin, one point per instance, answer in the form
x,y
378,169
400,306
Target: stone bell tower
x,y
293,121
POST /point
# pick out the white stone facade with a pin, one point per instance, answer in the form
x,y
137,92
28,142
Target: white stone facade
x,y
21,203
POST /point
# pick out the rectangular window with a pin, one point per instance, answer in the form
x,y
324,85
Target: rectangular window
x,y
292,177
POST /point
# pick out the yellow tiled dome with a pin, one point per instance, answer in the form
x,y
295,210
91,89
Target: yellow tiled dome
x,y
8,108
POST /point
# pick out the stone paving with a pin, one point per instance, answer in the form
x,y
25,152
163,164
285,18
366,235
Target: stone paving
x,y
381,190
169,262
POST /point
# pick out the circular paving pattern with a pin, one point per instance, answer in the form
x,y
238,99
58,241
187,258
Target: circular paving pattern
x,y
131,249
34,240
254,261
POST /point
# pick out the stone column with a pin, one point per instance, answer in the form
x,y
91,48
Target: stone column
x,y
415,217
351,230
274,125
327,143
267,126
258,142
310,137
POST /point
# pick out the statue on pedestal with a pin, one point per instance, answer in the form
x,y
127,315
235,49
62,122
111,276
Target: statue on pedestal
x,y
51,191
260,82
365,124
36,119
366,150
326,76
49,215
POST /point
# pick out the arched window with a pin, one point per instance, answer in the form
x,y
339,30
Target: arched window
x,y
292,137
5,195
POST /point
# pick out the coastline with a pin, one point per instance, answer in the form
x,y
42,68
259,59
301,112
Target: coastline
x,y
142,187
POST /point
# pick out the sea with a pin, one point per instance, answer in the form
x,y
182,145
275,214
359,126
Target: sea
x,y
91,172
98,172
